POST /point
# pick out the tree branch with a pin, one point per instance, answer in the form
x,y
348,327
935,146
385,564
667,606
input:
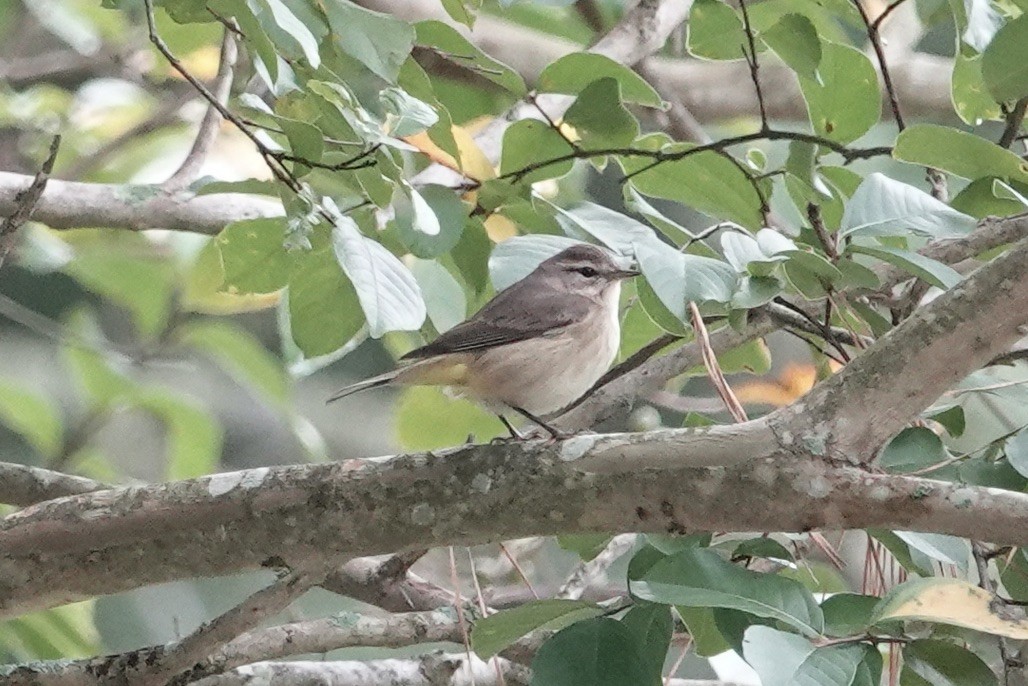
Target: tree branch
x,y
24,485
25,201
208,131
72,205
906,370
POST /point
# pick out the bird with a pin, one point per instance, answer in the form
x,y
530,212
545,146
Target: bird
x,y
534,348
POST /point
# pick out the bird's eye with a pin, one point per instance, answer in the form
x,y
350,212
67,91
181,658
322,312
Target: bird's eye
x,y
587,272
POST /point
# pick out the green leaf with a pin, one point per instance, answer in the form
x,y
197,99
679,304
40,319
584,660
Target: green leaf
x,y
794,39
32,417
515,258
427,419
101,385
492,634
239,353
617,231
753,357
706,638
253,256
848,614
716,31
885,207
291,35
531,142
405,114
586,546
1016,450
572,73
912,449
652,626
59,633
762,546
600,119
192,437
594,652
386,289
755,255
935,273
971,100
435,35
635,202
143,287
952,419
958,152
946,549
378,41
846,101
934,662
754,291
324,311
444,297
989,196
413,214
1004,68
783,659
678,278
716,186
461,12
701,578
437,203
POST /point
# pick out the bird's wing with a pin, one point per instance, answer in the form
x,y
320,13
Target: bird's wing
x,y
500,322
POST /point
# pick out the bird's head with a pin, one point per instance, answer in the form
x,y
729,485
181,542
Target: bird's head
x,y
585,269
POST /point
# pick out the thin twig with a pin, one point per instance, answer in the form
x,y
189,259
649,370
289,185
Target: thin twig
x,y
817,222
876,45
662,156
170,668
1015,118
751,60
26,201
276,167
890,8
517,568
189,170
717,377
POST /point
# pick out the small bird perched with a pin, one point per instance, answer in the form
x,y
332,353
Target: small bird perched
x,y
534,348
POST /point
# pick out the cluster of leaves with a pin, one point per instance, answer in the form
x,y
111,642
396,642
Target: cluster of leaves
x,y
774,621
375,243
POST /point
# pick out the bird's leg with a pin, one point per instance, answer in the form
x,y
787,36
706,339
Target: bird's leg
x,y
514,433
556,433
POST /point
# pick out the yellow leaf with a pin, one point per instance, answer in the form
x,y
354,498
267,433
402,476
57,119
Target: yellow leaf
x,y
473,162
201,63
956,602
794,382
500,228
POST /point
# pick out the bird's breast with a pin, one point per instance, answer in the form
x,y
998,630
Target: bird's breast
x,y
545,373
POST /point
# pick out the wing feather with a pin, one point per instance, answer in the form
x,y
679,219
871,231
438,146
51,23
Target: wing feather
x,y
505,319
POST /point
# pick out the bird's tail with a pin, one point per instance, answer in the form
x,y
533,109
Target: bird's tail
x,y
373,382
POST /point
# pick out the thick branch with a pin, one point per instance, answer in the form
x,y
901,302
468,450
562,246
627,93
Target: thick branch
x,y
24,485
72,205
854,413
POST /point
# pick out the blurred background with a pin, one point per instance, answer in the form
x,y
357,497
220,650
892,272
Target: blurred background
x,y
86,314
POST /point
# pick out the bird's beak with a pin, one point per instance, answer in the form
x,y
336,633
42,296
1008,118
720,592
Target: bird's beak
x,y
625,274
